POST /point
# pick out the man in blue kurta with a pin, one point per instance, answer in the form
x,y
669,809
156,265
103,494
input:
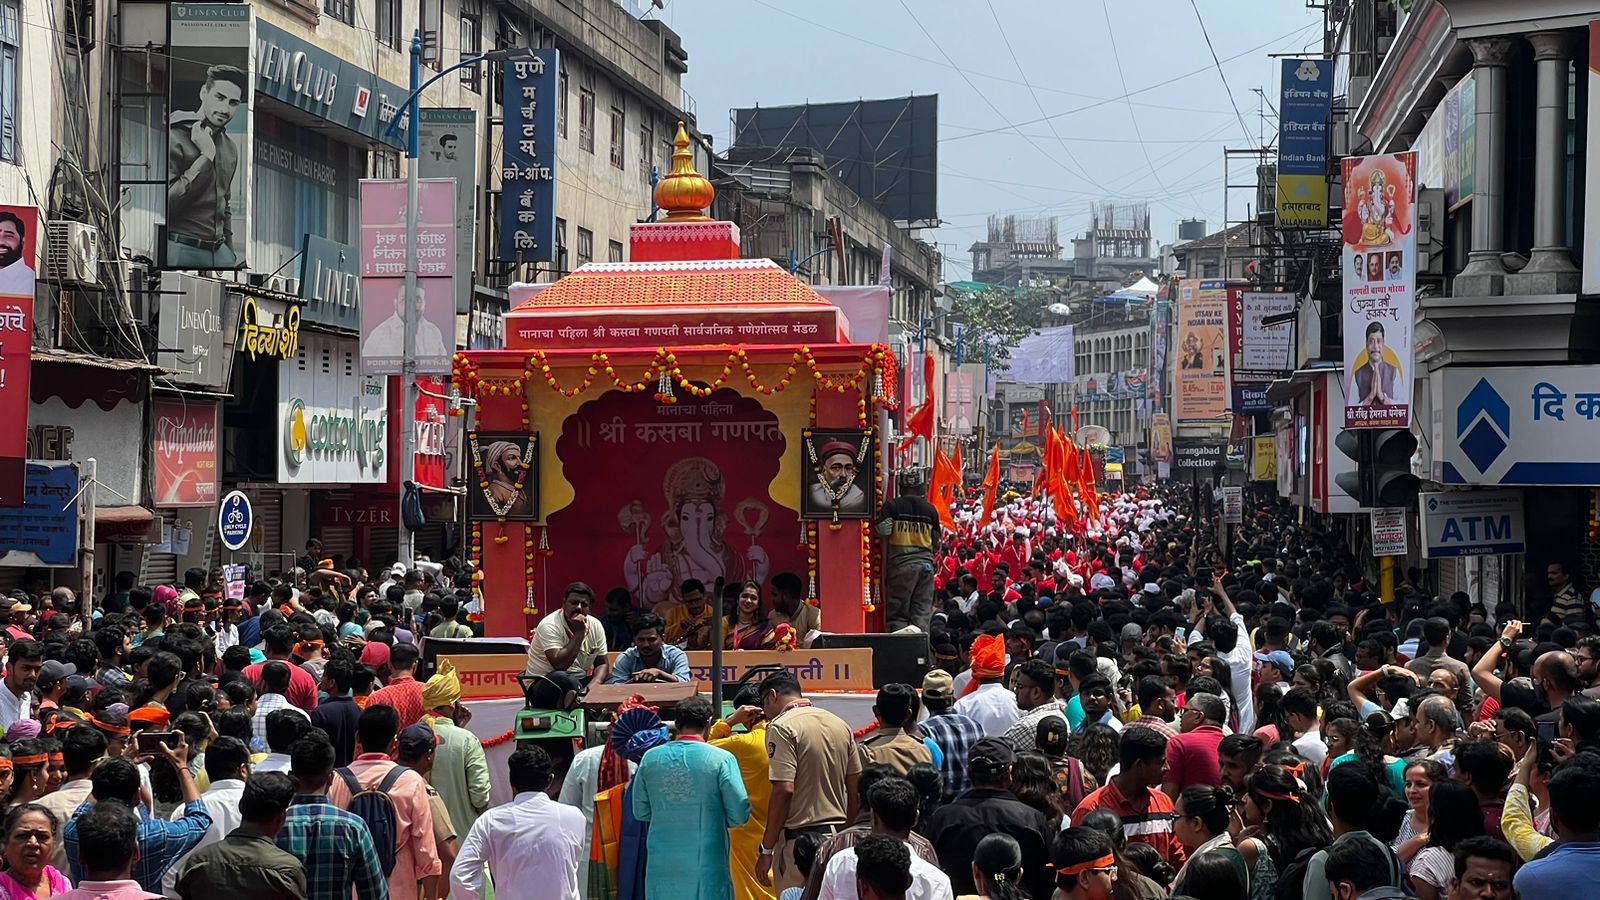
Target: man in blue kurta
x,y
696,791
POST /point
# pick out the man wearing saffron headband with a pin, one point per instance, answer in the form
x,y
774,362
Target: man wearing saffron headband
x,y
1085,867
987,701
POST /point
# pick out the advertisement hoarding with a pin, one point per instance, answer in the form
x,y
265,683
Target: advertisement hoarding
x,y
448,137
19,226
43,530
197,326
209,87
1591,194
1305,104
528,174
1202,352
383,283
1380,262
185,454
332,420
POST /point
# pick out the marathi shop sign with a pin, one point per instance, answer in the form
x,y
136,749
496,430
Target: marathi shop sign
x,y
44,530
271,328
528,175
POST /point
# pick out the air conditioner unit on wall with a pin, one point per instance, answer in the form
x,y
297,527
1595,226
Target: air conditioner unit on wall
x,y
72,253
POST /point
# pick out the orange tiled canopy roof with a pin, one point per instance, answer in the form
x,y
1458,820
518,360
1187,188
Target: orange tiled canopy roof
x,y
689,284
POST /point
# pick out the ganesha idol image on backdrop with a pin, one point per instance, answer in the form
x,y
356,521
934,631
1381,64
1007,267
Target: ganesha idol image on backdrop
x,y
694,532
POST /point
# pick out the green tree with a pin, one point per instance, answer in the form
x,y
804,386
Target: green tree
x,y
997,318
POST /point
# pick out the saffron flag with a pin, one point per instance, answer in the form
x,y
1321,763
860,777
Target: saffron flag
x,y
991,487
920,422
1086,485
942,488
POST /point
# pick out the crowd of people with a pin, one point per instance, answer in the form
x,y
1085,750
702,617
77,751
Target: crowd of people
x,y
1134,705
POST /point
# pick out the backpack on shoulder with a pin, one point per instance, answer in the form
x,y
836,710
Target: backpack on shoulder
x,y
374,807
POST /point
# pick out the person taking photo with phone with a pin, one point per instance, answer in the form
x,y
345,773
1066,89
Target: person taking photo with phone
x,y
161,842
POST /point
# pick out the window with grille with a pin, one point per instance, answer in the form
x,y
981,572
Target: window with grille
x,y
387,25
614,251
561,106
471,45
647,141
343,10
432,12
619,128
585,246
561,246
10,61
586,119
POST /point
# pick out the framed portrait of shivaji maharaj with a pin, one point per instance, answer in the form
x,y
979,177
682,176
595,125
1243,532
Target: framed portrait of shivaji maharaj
x,y
839,473
505,477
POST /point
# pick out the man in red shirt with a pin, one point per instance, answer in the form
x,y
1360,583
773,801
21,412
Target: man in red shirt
x,y
278,644
1192,756
1016,553
1133,794
402,691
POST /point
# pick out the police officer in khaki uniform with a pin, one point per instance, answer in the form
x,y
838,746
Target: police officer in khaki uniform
x,y
814,769
892,744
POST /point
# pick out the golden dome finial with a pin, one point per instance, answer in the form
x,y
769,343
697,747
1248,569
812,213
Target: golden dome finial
x,y
684,194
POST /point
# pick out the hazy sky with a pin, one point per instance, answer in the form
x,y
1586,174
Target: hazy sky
x,y
995,155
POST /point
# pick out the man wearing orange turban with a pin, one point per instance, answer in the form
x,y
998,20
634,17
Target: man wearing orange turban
x,y
986,699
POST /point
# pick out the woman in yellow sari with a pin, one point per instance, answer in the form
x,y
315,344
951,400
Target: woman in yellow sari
x,y
750,749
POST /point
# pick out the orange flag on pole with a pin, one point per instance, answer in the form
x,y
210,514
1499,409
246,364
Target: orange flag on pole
x,y
991,486
1086,486
942,488
920,422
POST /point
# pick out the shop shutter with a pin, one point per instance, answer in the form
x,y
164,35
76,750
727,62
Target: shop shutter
x,y
157,567
11,577
431,541
336,541
1448,576
383,547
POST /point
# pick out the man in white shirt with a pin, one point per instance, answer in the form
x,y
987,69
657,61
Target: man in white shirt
x,y
572,642
532,846
991,704
1232,645
228,767
16,689
883,866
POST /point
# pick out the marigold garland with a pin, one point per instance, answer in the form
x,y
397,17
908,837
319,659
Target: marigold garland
x,y
877,373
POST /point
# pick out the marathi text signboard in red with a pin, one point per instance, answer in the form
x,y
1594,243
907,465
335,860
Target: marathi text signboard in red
x,y
429,424
185,453
654,328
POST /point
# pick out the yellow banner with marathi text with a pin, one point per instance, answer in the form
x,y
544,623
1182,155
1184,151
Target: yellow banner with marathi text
x,y
489,675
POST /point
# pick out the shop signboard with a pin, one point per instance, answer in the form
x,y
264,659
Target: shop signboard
x,y
528,173
1197,460
1380,261
1233,504
210,76
197,327
311,79
1305,106
448,138
1516,426
330,283
43,531
1202,352
185,452
332,420
383,252
1472,523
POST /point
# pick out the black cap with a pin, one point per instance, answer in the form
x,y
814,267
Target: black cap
x,y
991,755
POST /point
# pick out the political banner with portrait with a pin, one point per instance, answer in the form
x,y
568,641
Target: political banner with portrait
x,y
663,493
448,137
1380,276
209,89
383,282
19,238
1202,343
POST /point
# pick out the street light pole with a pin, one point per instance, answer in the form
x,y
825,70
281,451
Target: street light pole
x,y
408,367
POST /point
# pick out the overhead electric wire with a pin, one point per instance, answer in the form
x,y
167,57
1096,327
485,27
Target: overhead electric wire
x,y
1082,169
1220,73
975,89
1116,57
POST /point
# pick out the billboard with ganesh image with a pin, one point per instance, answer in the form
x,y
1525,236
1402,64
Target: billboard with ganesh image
x,y
663,493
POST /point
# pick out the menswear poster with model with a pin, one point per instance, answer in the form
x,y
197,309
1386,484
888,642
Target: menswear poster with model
x,y
1380,241
208,135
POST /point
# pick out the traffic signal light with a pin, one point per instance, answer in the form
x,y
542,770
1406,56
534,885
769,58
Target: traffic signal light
x,y
1382,476
1392,481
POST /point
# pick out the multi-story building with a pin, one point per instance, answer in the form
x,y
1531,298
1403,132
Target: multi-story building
x,y
204,317
1491,96
1112,372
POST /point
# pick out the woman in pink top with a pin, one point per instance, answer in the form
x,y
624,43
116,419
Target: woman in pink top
x,y
30,832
